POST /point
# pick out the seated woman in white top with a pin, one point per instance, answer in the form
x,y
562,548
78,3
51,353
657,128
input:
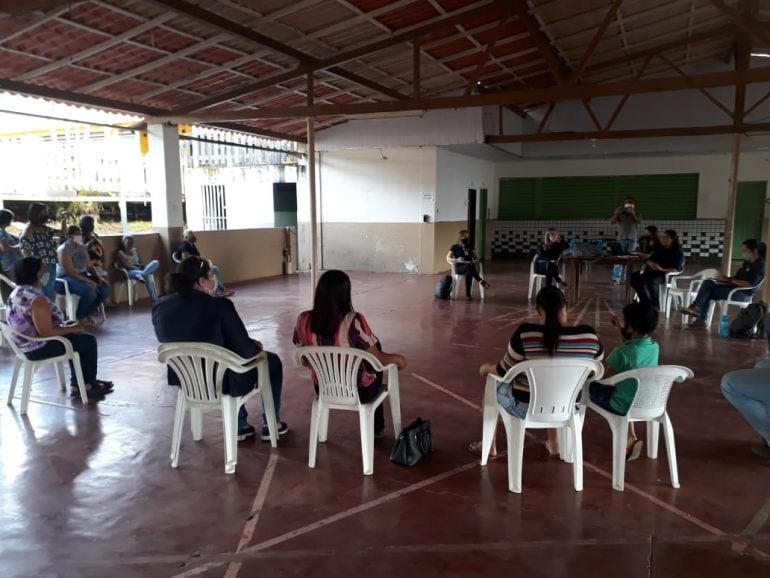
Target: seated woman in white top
x,y
127,257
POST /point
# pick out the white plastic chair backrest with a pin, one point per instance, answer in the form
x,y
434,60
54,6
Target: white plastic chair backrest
x,y
200,368
8,334
654,387
554,385
336,369
532,265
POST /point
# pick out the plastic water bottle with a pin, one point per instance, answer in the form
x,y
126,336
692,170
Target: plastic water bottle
x,y
724,326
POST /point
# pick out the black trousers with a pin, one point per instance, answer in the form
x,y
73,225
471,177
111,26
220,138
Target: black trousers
x,y
84,344
469,271
647,284
550,270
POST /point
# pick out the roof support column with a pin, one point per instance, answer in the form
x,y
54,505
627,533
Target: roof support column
x,y
312,189
727,251
164,182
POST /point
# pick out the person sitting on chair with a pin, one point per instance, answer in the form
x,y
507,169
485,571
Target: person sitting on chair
x,y
127,257
74,268
550,337
464,258
31,313
190,313
752,271
334,322
748,390
666,258
96,252
189,248
548,255
648,242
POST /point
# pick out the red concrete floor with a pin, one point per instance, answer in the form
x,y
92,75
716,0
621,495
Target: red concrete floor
x,y
89,491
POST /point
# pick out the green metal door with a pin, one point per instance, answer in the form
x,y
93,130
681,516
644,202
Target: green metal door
x,y
481,238
749,212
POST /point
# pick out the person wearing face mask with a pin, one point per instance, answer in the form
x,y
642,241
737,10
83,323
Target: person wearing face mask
x,y
752,271
667,257
96,252
190,313
548,255
73,267
637,350
464,256
40,240
33,314
627,221
189,248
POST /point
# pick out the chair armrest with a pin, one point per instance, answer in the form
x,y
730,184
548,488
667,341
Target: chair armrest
x,y
739,289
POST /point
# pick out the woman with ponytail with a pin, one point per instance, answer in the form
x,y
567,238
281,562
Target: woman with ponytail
x,y
190,313
552,336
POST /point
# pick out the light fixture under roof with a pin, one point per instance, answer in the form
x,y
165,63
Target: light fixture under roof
x,y
761,54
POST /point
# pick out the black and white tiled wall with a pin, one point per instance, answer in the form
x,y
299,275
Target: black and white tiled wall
x,y
702,238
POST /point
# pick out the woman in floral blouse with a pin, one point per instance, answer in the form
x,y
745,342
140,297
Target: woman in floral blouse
x,y
40,240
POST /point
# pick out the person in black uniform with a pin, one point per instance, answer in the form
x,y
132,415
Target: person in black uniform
x,y
667,257
548,255
464,257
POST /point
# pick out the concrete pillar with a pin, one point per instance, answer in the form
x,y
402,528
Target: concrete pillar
x,y
164,181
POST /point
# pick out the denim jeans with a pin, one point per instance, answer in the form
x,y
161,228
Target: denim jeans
x,y
275,369
146,274
49,289
90,297
749,392
712,291
510,404
218,278
647,286
618,271
82,343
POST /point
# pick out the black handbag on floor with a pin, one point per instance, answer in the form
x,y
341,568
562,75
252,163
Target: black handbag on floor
x,y
414,442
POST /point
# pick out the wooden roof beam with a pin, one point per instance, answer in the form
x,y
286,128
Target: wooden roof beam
x,y
553,94
578,72
559,70
742,23
438,23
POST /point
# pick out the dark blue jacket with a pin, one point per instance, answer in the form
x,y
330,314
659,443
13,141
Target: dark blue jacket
x,y
201,318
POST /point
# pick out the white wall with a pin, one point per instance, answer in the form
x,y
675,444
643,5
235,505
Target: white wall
x,y
435,127
714,171
383,185
455,174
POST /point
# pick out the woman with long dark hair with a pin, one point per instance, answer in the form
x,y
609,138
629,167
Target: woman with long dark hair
x,y
752,271
190,313
548,255
551,337
30,312
334,322
40,240
666,257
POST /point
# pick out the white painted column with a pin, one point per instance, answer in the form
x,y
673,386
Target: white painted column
x,y
164,182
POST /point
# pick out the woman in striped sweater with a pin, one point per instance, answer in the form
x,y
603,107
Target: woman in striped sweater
x,y
551,337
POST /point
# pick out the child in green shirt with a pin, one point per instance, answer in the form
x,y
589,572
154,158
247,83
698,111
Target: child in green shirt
x,y
637,351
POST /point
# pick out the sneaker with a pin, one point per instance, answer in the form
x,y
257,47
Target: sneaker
x,y
246,432
107,386
282,429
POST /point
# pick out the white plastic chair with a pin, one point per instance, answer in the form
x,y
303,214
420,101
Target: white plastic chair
x,y
724,304
649,405
68,302
336,369
131,284
681,296
4,280
456,278
201,369
535,280
668,284
553,387
30,367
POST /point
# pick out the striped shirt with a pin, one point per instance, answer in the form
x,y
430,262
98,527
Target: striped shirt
x,y
527,343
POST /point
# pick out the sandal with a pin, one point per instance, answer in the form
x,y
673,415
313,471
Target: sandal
x,y
475,448
634,451
485,285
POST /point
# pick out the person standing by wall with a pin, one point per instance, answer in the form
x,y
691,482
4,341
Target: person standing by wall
x,y
627,221
40,240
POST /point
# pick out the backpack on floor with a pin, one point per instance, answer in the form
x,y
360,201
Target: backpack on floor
x,y
444,287
750,321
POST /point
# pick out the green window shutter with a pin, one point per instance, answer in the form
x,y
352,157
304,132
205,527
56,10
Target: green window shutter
x,y
657,197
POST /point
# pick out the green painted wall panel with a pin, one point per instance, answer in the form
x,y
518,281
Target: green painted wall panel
x,y
657,196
